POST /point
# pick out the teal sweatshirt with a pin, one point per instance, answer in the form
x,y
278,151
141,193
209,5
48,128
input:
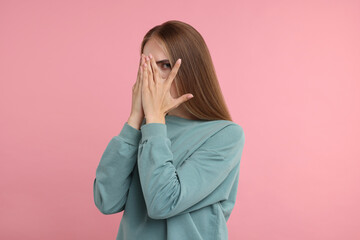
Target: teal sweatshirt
x,y
176,180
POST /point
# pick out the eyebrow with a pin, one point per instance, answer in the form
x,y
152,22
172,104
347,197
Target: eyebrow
x,y
162,61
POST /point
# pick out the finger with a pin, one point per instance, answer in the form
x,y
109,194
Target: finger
x,y
173,72
145,77
143,58
138,79
150,73
141,77
183,99
154,67
141,73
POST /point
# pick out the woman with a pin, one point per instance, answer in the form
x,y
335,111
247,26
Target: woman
x,y
174,167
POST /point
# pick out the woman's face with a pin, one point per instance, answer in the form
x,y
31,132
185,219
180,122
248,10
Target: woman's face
x,y
161,60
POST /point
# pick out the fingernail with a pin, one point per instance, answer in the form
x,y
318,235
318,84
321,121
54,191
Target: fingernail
x,y
150,55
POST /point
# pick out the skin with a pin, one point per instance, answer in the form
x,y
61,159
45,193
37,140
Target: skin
x,y
154,92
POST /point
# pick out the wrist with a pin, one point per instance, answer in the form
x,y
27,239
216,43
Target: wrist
x,y
135,121
155,119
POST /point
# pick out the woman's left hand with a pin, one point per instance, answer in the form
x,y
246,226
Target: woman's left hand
x,y
156,98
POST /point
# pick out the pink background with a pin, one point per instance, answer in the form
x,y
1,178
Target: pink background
x,y
289,71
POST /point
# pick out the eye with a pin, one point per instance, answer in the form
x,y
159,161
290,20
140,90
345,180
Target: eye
x,y
166,65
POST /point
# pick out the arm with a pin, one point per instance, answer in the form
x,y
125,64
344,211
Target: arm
x,y
206,177
114,172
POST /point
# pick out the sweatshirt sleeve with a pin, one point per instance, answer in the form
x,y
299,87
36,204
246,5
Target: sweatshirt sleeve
x,y
201,180
114,172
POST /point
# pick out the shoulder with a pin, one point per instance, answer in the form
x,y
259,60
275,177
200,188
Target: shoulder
x,y
225,145
228,135
229,130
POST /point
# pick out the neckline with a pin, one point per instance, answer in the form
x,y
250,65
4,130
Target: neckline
x,y
185,119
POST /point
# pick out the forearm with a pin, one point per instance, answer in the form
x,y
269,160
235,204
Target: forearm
x,y
114,172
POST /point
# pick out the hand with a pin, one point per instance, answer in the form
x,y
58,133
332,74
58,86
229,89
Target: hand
x,y
156,98
137,112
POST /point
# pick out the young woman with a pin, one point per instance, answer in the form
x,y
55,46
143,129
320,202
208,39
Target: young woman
x,y
174,167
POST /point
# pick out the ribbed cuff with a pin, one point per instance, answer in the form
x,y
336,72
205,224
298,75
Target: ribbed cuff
x,y
153,130
130,134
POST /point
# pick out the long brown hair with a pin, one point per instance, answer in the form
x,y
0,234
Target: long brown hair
x,y
196,74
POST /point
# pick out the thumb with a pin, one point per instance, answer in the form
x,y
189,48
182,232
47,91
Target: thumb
x,y
184,98
189,96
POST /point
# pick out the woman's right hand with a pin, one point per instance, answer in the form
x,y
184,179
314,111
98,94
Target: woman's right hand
x,y
137,111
